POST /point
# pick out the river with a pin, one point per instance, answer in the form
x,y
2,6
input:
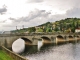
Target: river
x,y
69,51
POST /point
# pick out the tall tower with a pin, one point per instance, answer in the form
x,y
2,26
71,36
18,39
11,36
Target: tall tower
x,y
23,26
16,27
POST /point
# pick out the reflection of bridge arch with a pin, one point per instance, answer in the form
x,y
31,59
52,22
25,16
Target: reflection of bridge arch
x,y
70,38
60,39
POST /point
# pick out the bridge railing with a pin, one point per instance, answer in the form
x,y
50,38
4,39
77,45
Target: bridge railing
x,y
12,54
31,34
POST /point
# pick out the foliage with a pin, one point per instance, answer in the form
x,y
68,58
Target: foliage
x,y
56,29
48,30
31,29
40,30
63,25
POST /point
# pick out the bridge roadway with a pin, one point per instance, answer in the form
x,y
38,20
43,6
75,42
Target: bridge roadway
x,y
8,39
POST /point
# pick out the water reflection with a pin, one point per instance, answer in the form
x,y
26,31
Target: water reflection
x,y
77,51
68,51
40,44
18,46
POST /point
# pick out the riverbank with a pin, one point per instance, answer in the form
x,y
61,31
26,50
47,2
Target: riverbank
x,y
4,56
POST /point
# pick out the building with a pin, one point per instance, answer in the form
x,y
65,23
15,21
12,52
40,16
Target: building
x,y
77,30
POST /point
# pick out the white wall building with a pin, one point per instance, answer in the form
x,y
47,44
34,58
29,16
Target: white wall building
x,y
77,30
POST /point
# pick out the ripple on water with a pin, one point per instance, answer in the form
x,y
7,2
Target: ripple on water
x,y
62,52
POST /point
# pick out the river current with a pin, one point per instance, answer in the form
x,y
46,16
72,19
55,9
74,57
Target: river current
x,y
69,51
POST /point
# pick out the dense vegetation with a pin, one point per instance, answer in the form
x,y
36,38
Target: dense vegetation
x,y
68,24
65,25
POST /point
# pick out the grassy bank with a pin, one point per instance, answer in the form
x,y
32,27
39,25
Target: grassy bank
x,y
4,56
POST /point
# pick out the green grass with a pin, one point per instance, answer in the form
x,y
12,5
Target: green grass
x,y
4,56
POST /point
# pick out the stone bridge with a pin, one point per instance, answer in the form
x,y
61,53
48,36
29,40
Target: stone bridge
x,y
7,40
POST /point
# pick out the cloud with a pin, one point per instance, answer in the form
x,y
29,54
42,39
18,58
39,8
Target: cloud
x,y
37,14
12,18
74,12
3,10
34,18
35,1
71,13
38,17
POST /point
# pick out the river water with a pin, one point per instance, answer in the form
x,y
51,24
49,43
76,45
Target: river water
x,y
69,51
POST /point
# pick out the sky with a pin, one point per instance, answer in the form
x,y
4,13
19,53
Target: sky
x,y
35,12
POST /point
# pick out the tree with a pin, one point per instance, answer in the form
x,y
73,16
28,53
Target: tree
x,y
56,29
40,30
73,27
77,24
32,29
48,30
61,25
44,30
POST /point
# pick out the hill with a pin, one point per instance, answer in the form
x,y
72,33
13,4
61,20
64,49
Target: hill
x,y
65,25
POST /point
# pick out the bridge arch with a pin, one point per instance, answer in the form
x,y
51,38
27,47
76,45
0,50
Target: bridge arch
x,y
34,38
77,36
46,40
44,37
12,39
60,37
70,36
27,41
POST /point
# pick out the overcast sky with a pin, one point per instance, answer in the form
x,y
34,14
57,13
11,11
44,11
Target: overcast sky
x,y
35,12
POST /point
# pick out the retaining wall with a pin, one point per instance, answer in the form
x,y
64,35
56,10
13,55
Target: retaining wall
x,y
12,54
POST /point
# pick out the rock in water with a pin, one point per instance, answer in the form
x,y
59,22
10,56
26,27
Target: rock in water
x,y
18,46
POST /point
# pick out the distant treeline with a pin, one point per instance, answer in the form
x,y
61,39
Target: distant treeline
x,y
65,25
